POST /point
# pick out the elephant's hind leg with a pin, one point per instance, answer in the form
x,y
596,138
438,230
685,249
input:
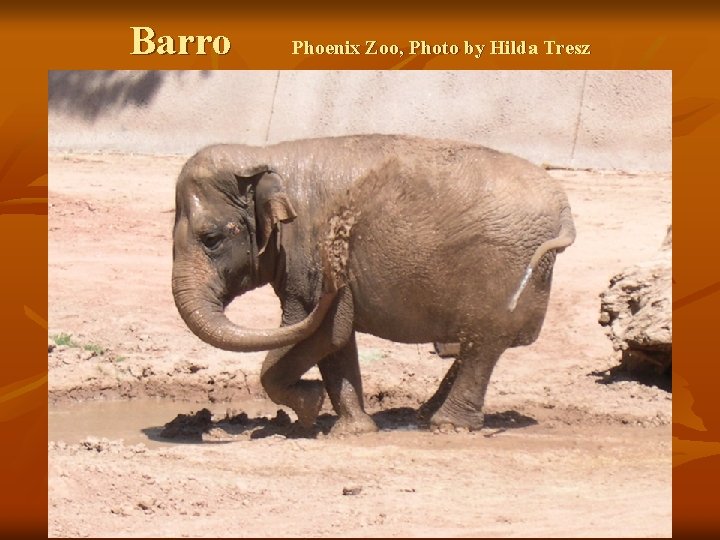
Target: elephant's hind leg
x,y
432,405
283,368
463,406
341,374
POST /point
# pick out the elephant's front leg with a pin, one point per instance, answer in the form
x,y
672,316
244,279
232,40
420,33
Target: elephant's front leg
x,y
283,368
341,374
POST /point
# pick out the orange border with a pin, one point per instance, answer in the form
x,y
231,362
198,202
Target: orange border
x,y
661,38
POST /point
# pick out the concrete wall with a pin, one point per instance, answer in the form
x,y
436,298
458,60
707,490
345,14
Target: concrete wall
x,y
600,119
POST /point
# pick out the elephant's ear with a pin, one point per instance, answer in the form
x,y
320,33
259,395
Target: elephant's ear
x,y
272,206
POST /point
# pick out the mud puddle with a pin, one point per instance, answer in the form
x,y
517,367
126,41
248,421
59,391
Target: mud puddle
x,y
146,420
164,422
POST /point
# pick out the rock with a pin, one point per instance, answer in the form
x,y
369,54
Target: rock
x,y
188,426
102,444
187,366
123,510
146,504
282,419
636,311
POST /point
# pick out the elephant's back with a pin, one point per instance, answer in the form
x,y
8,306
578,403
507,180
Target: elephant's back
x,y
437,233
437,245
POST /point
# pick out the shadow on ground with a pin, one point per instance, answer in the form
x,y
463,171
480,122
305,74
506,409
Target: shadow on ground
x,y
647,377
200,427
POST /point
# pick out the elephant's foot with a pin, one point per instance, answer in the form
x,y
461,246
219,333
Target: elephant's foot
x,y
353,425
428,409
306,401
446,417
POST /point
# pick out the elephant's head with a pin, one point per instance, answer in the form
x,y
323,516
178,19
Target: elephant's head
x,y
226,213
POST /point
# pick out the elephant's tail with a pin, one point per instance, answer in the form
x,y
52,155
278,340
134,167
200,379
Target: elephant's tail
x,y
559,243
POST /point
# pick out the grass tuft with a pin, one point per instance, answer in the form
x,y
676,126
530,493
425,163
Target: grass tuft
x,y
64,339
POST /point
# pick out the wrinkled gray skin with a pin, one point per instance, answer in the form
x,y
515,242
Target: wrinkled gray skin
x,y
409,239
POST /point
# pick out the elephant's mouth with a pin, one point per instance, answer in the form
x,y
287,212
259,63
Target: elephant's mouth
x,y
228,297
205,316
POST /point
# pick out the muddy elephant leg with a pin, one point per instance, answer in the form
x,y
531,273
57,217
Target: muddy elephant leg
x,y
431,406
283,368
341,374
463,406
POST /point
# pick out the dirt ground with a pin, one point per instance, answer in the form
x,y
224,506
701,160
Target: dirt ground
x,y
570,448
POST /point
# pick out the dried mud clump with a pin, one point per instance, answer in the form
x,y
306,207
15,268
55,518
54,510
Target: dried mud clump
x,y
188,426
636,311
336,246
202,427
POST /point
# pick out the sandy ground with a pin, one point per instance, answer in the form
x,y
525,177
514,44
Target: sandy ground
x,y
569,448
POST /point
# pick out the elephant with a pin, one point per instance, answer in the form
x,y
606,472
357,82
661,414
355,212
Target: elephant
x,y
410,239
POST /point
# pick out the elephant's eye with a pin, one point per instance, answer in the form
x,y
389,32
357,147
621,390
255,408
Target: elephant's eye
x,y
211,241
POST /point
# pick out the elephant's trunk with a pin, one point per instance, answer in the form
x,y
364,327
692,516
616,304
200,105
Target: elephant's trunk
x,y
205,317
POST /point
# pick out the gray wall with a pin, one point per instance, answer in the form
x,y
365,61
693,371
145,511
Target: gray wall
x,y
600,119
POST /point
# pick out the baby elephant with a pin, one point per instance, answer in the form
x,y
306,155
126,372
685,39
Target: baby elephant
x,y
408,239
